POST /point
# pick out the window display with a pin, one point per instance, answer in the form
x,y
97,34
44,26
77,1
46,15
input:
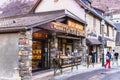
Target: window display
x,y
36,54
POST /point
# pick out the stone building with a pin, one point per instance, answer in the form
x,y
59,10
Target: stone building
x,y
30,41
112,12
94,30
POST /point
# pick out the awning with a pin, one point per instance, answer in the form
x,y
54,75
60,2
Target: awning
x,y
68,37
91,41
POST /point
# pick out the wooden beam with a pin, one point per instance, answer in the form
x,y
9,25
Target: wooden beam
x,y
35,6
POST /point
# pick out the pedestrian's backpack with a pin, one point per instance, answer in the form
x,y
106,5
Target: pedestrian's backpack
x,y
108,56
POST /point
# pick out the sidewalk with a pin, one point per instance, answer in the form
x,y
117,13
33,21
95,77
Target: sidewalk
x,y
49,74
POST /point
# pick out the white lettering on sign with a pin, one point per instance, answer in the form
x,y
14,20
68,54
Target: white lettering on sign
x,y
58,28
67,29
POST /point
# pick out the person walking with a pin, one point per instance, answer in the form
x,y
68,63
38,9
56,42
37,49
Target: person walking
x,y
116,58
112,57
108,59
91,58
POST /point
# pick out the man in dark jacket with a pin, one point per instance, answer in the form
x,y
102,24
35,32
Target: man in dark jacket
x,y
91,58
116,57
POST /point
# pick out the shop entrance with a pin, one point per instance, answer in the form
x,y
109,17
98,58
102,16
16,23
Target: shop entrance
x,y
40,54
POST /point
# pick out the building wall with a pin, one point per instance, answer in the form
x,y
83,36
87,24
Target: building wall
x,y
91,25
105,30
111,32
89,20
71,5
8,56
115,34
97,26
111,36
117,49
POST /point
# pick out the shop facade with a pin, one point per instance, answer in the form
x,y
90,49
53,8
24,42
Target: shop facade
x,y
69,33
40,46
56,38
36,43
52,39
94,44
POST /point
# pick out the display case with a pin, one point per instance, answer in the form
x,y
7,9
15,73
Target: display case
x,y
68,61
36,54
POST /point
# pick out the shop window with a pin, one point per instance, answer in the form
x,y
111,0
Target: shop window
x,y
108,30
40,35
36,55
59,44
64,40
69,41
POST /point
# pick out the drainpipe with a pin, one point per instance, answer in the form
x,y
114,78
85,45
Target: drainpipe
x,y
86,47
102,26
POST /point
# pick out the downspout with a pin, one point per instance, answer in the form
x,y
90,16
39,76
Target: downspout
x,y
86,47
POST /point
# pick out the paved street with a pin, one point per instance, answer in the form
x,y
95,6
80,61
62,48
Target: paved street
x,y
114,76
100,74
49,75
82,73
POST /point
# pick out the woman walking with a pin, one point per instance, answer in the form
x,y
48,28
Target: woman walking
x,y
108,59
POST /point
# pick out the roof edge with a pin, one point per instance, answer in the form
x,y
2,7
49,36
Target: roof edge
x,y
12,29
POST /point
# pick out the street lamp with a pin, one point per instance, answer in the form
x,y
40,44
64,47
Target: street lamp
x,y
102,26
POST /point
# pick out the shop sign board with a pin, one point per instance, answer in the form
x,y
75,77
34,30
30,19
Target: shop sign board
x,y
60,27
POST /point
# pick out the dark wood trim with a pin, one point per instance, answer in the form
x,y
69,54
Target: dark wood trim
x,y
35,6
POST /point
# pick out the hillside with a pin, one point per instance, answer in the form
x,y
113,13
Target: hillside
x,y
16,7
109,6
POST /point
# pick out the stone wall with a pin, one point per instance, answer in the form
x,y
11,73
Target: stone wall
x,y
25,55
